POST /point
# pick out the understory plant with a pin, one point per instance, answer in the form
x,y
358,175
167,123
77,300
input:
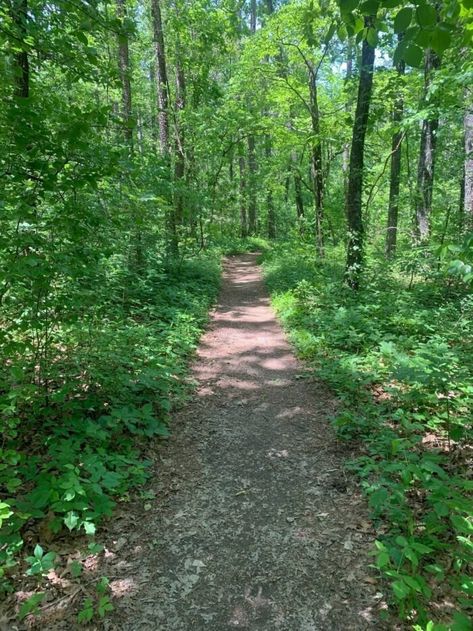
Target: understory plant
x,y
399,356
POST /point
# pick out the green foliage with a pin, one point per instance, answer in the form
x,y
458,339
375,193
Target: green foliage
x,y
100,605
401,361
73,443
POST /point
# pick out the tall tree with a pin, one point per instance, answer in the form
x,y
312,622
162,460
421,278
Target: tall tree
x,y
252,165
180,159
348,106
20,17
242,196
163,112
269,153
125,72
355,177
395,176
426,164
468,167
162,84
317,176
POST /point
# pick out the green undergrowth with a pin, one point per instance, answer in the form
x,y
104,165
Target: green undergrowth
x,y
82,397
399,355
234,245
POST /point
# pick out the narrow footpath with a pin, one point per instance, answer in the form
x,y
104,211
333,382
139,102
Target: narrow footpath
x,y
252,523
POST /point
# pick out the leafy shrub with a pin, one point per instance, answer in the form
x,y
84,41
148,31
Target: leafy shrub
x,y
399,355
74,425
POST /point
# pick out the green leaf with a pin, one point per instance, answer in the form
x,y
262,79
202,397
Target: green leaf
x,y
30,605
401,590
441,40
89,527
342,32
372,37
348,5
87,612
413,55
402,20
426,15
38,552
71,520
369,7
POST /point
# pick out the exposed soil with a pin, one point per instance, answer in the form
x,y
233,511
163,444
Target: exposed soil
x,y
250,521
254,524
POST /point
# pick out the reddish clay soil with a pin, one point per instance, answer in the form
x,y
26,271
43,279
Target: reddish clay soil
x,y
250,520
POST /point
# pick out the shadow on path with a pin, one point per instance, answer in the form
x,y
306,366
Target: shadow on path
x,y
254,525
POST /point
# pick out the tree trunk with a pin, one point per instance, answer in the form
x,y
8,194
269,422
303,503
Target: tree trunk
x,y
269,199
317,175
251,185
468,170
162,79
180,162
346,148
163,114
253,16
355,176
426,164
20,17
269,152
243,218
252,219
124,68
395,177
298,190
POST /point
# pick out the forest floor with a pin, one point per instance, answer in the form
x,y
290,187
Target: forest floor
x,y
249,521
253,523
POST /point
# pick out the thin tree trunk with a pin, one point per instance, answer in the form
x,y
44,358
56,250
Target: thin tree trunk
x,y
180,163
317,175
253,16
468,170
395,177
298,190
251,185
426,164
355,177
346,148
269,199
269,152
243,217
252,215
124,68
20,17
163,113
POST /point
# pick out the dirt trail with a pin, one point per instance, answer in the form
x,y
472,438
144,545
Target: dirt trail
x,y
254,524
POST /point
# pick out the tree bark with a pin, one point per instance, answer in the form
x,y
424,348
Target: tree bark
x,y
162,79
252,214
317,175
348,105
180,161
426,164
269,152
269,198
243,217
468,170
20,17
124,68
298,189
163,115
355,177
251,186
253,16
395,176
